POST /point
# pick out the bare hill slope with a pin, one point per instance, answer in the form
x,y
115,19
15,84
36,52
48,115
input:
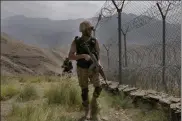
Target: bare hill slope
x,y
20,58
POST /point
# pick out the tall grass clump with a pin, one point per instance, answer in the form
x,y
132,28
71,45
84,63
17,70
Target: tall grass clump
x,y
8,91
67,92
117,101
28,93
122,101
31,112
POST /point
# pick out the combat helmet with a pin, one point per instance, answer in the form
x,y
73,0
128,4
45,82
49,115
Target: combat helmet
x,y
85,25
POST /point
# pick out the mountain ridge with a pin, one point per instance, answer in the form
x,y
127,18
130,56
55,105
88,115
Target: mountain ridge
x,y
49,33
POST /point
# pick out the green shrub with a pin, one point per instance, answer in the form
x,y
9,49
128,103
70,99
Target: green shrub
x,y
119,101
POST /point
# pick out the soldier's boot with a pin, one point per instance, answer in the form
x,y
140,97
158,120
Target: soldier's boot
x,y
85,103
86,110
95,109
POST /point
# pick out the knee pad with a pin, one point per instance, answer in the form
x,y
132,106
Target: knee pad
x,y
97,92
85,94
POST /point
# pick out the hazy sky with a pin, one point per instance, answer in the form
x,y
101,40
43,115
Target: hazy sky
x,y
60,10
51,9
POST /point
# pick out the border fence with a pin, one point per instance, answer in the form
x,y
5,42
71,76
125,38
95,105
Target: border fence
x,y
153,60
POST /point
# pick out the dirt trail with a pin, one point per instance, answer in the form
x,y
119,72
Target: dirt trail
x,y
115,115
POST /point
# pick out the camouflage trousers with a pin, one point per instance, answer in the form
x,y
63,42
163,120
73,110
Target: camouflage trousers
x,y
84,76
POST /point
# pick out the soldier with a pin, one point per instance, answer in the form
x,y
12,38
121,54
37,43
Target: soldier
x,y
67,65
78,53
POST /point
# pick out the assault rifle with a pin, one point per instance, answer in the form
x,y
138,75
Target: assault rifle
x,y
95,64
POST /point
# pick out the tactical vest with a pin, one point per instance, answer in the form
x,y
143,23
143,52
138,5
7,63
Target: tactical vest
x,y
81,50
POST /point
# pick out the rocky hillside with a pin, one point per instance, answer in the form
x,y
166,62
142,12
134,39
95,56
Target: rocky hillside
x,y
20,58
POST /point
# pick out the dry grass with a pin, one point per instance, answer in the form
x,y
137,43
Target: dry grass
x,y
152,115
62,97
117,102
64,93
61,101
42,112
27,93
8,91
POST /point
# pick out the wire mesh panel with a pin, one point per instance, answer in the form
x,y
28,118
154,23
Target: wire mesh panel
x,y
150,44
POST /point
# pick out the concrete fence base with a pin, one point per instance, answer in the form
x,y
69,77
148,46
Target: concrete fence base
x,y
169,104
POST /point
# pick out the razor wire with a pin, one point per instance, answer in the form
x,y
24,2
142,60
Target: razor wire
x,y
145,60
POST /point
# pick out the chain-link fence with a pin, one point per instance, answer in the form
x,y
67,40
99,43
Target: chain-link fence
x,y
151,44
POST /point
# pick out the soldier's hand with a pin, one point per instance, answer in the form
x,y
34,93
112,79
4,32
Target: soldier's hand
x,y
101,66
86,57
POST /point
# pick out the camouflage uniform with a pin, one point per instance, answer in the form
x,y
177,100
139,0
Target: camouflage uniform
x,y
84,75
